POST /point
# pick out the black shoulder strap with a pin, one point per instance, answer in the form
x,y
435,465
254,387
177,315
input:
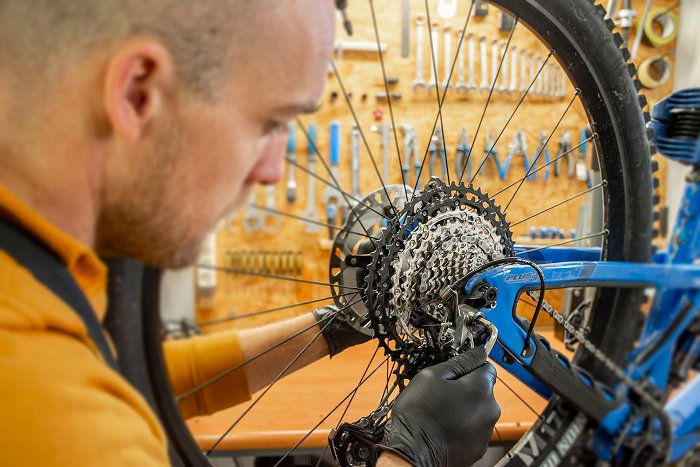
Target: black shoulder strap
x,y
48,269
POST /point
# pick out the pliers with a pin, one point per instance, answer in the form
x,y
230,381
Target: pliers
x,y
542,150
490,151
564,148
518,146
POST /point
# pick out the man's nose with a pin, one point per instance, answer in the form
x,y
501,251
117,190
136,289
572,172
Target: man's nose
x,y
270,166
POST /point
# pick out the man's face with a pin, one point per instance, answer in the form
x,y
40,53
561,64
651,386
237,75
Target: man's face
x,y
202,164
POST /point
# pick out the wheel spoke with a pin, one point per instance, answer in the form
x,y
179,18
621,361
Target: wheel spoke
x,y
488,99
271,385
595,187
534,162
243,272
351,396
438,116
595,135
212,322
537,414
362,133
388,97
571,240
488,153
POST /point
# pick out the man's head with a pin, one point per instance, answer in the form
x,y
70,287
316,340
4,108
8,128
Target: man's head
x,y
173,108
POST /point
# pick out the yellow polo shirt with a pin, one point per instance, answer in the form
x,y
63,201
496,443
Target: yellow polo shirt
x,y
60,403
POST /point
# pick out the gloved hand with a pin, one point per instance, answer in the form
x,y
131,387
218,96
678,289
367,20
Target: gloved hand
x,y
446,414
339,334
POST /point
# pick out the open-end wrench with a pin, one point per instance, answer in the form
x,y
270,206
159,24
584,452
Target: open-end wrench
x,y
533,73
271,221
405,25
385,131
562,83
461,84
523,71
504,70
437,148
435,46
447,8
253,219
463,152
494,63
419,82
513,88
410,148
311,211
540,78
331,195
446,57
291,161
545,81
564,147
471,48
484,85
355,156
417,161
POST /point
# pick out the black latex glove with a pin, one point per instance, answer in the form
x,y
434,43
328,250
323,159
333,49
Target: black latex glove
x,y
446,414
339,334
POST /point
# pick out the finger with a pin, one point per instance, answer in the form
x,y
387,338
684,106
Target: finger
x,y
486,373
460,365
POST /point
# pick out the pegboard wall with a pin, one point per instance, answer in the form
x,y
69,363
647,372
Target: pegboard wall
x,y
290,247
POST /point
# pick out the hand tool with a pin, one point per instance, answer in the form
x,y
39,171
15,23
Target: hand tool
x,y
446,57
523,71
625,18
490,151
447,8
385,131
480,8
291,160
355,156
230,220
545,82
484,85
463,152
471,46
518,146
581,170
437,148
417,160
332,216
533,73
540,78
405,25
640,31
271,221
311,211
342,46
610,9
435,47
505,21
564,147
381,96
419,82
541,150
331,195
342,6
504,69
410,149
252,218
461,85
562,83
513,87
494,64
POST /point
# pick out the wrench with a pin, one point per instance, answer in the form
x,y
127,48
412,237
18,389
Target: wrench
x,y
311,211
405,24
446,57
355,155
484,85
471,44
419,82
385,132
267,226
523,71
513,70
463,153
331,196
410,148
292,159
504,70
494,63
538,85
436,146
533,73
545,86
417,160
253,219
447,8
581,170
461,86
435,46
562,83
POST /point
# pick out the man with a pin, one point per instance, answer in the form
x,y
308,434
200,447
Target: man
x,y
131,127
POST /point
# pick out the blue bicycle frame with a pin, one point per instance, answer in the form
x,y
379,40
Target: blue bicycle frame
x,y
674,274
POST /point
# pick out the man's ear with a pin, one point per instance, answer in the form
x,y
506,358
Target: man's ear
x,y
138,79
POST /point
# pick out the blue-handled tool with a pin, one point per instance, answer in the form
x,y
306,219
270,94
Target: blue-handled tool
x,y
518,147
331,195
311,211
581,170
564,148
542,151
491,152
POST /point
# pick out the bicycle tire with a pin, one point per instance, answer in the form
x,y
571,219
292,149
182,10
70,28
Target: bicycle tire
x,y
609,94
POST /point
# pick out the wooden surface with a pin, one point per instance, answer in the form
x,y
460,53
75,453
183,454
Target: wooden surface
x,y
314,390
300,401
